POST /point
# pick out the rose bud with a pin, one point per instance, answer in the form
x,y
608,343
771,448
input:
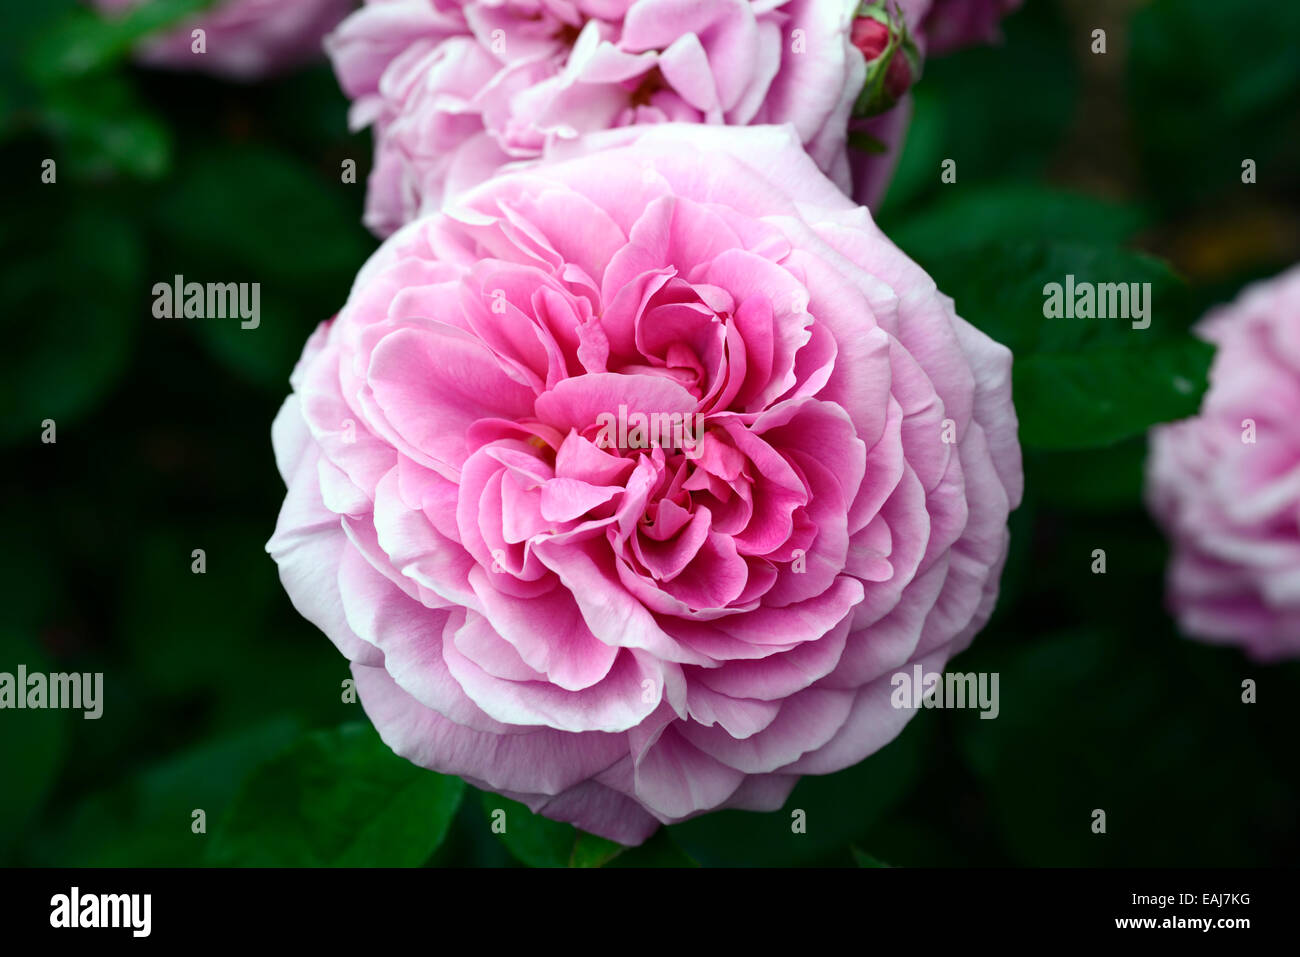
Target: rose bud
x,y
892,58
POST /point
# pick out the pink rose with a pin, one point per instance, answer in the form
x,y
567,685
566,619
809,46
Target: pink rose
x,y
457,89
953,24
1225,484
626,626
244,39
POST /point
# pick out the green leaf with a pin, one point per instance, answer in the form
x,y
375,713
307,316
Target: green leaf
x,y
1213,84
22,25
1121,719
540,842
103,128
1078,382
338,798
470,842
592,851
1002,110
659,850
173,618
999,287
286,228
85,41
283,221
1094,479
535,840
147,820
1099,396
863,859
69,288
1010,213
264,354
839,809
32,746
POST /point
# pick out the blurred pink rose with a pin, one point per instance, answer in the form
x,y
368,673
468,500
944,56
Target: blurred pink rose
x,y
619,631
1226,487
953,24
245,39
456,89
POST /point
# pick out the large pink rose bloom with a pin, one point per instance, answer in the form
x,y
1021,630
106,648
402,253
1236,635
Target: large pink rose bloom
x,y
1226,484
620,632
245,39
457,88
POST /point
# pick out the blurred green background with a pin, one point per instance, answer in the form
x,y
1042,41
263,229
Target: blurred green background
x,y
1124,166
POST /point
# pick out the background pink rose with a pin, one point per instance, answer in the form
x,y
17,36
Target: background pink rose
x,y
246,39
619,637
457,89
952,24
1232,505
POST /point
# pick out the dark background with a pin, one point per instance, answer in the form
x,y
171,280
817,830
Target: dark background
x,y
1119,167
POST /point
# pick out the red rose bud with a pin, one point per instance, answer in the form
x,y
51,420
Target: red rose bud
x,y
870,36
890,54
